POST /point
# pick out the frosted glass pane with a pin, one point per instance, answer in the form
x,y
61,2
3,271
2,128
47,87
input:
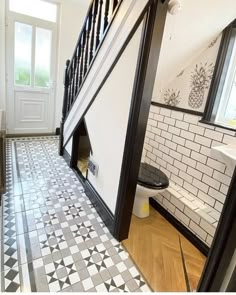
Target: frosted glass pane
x,y
42,57
35,8
23,44
230,113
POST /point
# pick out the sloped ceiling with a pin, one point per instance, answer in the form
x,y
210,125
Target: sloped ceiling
x,y
188,34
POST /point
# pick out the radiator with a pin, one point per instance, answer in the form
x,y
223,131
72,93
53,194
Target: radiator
x,y
2,153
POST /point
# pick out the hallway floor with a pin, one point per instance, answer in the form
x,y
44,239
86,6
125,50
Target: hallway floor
x,y
156,246
52,239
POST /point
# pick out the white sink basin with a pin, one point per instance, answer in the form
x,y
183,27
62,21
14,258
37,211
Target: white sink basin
x,y
226,154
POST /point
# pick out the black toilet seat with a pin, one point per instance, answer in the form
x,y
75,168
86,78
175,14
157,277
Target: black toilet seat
x,y
151,177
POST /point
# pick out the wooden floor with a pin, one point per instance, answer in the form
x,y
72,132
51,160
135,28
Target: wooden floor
x,y
154,245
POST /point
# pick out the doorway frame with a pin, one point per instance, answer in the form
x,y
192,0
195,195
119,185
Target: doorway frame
x,y
10,18
149,51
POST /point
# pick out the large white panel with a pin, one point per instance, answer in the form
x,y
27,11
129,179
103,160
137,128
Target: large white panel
x,y
107,121
31,111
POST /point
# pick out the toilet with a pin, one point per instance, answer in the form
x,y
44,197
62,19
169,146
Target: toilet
x,y
151,181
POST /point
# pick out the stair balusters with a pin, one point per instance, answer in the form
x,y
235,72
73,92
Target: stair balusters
x,y
89,25
99,24
77,70
91,36
106,15
64,106
115,2
94,16
82,57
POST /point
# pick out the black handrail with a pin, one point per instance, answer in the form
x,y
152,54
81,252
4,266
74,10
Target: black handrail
x,y
96,23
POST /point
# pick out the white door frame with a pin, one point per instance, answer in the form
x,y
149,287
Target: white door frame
x,y
11,18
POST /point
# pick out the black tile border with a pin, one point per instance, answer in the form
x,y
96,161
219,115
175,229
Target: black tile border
x,y
203,248
182,110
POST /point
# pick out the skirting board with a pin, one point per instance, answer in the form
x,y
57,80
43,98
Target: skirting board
x,y
101,208
99,205
66,157
203,248
57,132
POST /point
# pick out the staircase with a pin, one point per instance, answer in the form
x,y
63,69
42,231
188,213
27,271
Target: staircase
x,y
108,28
108,85
99,17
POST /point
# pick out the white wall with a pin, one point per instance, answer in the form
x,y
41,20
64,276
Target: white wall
x,y
107,123
2,54
188,34
72,16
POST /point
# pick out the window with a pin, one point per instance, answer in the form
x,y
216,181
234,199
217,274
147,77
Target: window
x,y
32,63
23,48
221,104
35,8
42,57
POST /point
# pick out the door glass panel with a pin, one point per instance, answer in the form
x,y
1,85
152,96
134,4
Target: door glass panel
x,y
36,8
42,57
23,49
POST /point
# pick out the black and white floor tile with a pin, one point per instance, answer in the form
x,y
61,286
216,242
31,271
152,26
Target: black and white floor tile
x,y
52,238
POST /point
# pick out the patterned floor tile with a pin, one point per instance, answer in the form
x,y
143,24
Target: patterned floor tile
x,y
41,217
61,274
52,238
13,204
10,253
11,280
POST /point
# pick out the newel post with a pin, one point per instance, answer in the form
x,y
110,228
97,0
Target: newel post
x,y
64,107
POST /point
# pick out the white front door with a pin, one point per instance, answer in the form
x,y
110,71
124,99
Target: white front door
x,y
31,63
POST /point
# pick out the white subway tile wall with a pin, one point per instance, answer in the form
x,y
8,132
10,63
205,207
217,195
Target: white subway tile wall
x,y
180,146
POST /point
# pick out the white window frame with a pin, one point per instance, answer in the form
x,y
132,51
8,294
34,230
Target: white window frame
x,y
230,81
